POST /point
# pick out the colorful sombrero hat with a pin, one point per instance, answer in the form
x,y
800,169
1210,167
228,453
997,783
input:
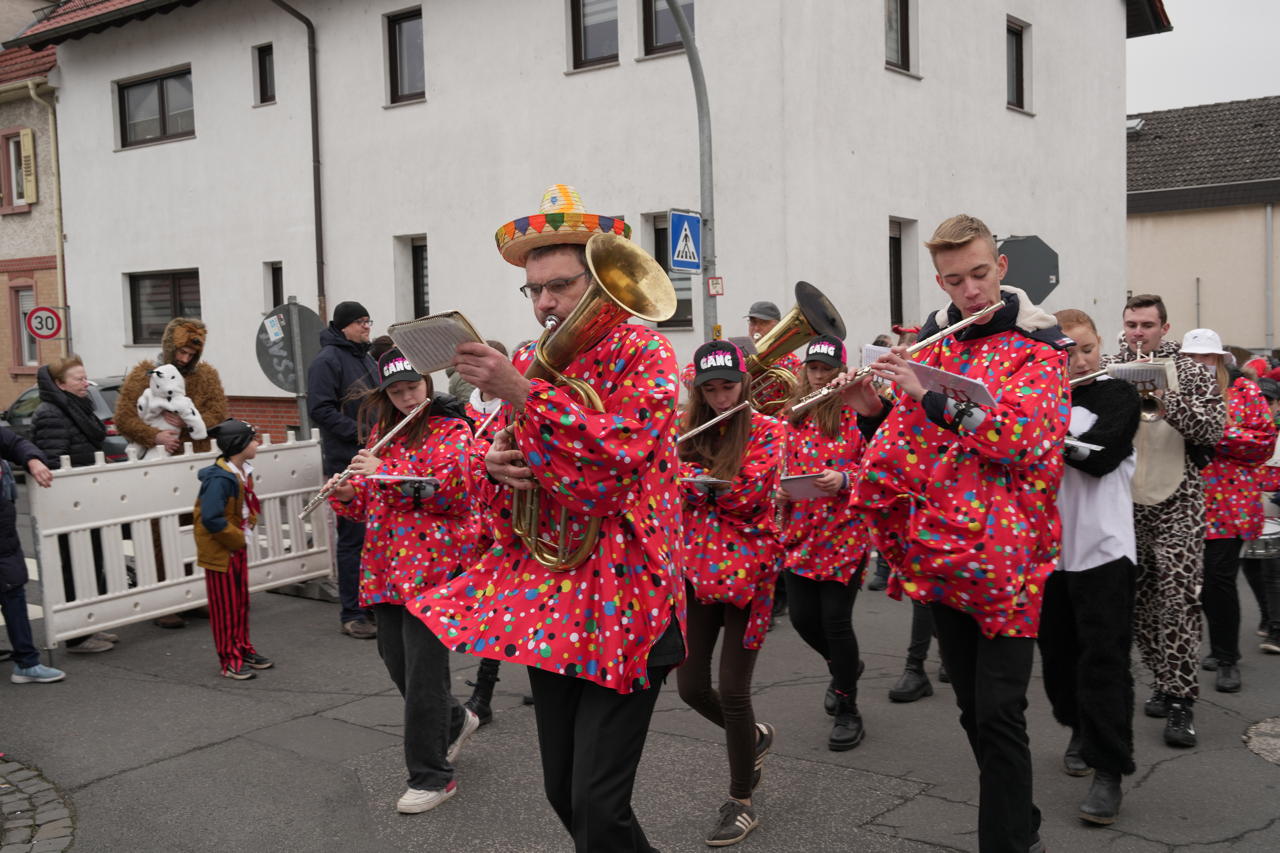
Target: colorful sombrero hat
x,y
560,219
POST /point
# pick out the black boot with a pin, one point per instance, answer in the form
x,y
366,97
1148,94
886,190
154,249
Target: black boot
x,y
913,684
1103,802
1180,726
829,702
942,674
1157,705
482,695
846,732
1228,680
1072,761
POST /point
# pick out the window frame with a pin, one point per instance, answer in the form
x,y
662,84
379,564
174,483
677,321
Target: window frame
x,y
649,28
659,227
9,177
19,335
264,77
393,21
578,43
157,80
904,35
131,282
1016,57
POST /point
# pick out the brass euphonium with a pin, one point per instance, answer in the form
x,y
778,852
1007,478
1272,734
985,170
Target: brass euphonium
x,y
813,315
626,282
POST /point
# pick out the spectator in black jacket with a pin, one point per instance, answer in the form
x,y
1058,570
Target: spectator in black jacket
x,y
27,668
336,380
65,425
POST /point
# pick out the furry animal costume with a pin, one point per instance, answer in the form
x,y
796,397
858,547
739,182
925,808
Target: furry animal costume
x,y
204,386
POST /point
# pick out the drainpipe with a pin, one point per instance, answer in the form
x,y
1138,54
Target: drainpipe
x,y
1271,279
321,301
57,205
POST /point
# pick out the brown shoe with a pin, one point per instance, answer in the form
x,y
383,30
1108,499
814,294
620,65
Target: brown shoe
x,y
359,629
173,620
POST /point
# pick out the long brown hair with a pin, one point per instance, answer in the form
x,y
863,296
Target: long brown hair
x,y
718,451
376,408
827,415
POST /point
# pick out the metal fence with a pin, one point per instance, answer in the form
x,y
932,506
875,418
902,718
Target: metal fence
x,y
126,531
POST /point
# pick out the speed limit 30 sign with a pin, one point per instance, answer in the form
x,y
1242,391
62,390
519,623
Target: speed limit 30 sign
x,y
44,322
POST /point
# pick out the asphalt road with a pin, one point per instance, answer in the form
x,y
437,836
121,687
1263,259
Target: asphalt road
x,y
155,752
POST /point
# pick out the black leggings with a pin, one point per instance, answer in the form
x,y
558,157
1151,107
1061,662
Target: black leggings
x,y
822,613
730,707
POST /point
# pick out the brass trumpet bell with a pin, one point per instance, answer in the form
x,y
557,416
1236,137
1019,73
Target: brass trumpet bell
x,y
813,315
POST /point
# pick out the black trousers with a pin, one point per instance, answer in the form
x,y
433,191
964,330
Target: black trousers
x,y
729,707
418,663
348,547
822,614
990,679
921,635
1219,597
1264,579
1086,636
591,739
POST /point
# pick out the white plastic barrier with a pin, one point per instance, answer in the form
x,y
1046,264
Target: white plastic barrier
x,y
121,501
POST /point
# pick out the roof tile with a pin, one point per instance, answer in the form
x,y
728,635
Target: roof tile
x,y
1224,143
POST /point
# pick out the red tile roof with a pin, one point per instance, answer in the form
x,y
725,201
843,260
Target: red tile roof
x,y
76,18
23,63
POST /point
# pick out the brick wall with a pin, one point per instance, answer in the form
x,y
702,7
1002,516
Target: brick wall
x,y
272,415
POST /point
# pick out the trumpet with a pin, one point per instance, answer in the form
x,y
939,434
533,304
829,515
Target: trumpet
x,y
821,394
323,494
813,315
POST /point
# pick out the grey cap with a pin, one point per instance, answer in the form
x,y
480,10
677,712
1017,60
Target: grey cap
x,y
764,311
1269,388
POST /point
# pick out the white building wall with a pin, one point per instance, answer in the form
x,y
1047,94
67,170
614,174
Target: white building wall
x,y
817,145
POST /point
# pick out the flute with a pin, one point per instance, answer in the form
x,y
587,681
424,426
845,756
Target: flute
x,y
1082,379
745,404
324,493
817,396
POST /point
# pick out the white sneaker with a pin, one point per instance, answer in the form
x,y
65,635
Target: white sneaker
x,y
415,801
469,725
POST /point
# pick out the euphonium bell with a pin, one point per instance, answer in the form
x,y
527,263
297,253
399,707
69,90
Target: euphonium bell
x,y
813,315
626,282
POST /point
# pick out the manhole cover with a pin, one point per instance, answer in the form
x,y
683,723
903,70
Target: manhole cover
x,y
1264,739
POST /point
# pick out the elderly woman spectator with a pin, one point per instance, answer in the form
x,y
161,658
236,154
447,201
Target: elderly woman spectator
x,y
65,425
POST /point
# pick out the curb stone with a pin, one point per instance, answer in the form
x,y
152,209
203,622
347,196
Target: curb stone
x,y
36,818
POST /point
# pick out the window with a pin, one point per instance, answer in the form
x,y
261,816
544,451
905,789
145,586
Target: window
x,y
17,170
683,318
404,52
273,281
24,351
595,32
418,261
156,298
1014,76
895,273
660,32
264,72
157,109
897,34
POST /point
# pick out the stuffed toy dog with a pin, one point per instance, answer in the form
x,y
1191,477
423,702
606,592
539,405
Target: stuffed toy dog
x,y
167,393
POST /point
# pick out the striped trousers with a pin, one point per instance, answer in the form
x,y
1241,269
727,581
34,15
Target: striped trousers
x,y
229,610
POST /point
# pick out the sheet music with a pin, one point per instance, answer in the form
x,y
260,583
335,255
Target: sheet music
x,y
800,487
429,342
1146,376
953,385
870,352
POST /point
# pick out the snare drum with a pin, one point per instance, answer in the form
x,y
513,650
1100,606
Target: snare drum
x,y
1267,546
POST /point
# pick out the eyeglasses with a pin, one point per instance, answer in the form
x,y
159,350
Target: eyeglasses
x,y
366,322
557,286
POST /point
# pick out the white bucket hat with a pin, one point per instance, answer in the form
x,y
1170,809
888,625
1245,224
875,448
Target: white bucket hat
x,y
1207,342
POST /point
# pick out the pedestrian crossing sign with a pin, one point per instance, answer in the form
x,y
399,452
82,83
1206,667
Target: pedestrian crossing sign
x,y
684,236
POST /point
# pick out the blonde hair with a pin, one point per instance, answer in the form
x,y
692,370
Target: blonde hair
x,y
59,366
960,230
1071,317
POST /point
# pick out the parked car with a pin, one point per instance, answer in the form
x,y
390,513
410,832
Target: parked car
x,y
102,392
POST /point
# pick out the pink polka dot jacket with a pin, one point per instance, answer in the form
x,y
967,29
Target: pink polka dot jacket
x,y
731,539
825,538
968,517
411,545
600,620
1232,493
